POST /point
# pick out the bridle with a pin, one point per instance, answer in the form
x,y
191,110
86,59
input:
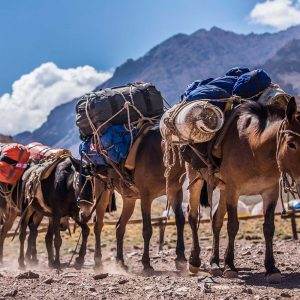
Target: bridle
x,y
286,183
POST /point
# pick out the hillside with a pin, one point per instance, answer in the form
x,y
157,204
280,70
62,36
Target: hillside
x,y
284,67
5,139
181,59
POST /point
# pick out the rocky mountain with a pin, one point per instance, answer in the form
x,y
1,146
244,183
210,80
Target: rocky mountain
x,y
180,60
5,139
284,67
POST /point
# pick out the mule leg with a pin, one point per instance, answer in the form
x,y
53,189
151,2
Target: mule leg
x,y
22,237
98,224
49,243
175,199
80,259
57,240
269,204
147,229
194,202
31,253
8,223
217,224
128,207
230,270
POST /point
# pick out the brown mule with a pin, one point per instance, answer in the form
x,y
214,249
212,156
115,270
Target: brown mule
x,y
249,167
150,183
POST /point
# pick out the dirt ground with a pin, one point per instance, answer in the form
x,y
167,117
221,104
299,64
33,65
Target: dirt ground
x,y
165,282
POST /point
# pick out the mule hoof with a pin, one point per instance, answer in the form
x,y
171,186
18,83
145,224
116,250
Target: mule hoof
x,y
180,264
78,264
230,274
148,268
215,270
274,278
193,269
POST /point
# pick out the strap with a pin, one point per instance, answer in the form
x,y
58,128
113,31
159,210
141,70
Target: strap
x,y
8,160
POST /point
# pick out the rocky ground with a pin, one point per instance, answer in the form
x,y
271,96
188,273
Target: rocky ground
x,y
165,282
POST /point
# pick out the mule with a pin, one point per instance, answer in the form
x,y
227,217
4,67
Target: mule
x,y
150,183
249,166
60,191
8,212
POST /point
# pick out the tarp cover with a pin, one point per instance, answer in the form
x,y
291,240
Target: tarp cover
x,y
115,141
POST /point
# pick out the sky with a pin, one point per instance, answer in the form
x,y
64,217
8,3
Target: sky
x,y
45,44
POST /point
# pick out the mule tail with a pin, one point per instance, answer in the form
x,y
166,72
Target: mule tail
x,y
204,195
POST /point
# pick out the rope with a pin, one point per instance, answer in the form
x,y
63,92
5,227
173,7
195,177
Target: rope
x,y
74,251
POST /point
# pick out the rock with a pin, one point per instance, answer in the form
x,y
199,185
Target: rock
x,y
247,291
48,280
123,281
285,295
247,253
70,275
11,294
100,276
206,279
92,289
71,283
28,275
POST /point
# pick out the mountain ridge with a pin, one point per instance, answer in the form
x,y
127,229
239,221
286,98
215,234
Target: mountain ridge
x,y
173,64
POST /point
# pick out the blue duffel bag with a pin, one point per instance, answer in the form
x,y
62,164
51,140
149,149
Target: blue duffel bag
x,y
209,92
226,83
252,83
237,71
194,85
116,141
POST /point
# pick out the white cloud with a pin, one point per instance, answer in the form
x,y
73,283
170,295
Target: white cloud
x,y
36,93
279,14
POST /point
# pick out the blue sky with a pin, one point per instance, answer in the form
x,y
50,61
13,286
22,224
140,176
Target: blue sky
x,y
103,33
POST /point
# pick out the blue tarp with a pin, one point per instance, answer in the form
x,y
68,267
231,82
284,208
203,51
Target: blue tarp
x,y
116,141
251,83
238,81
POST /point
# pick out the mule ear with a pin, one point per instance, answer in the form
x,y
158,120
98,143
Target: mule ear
x,y
76,164
291,109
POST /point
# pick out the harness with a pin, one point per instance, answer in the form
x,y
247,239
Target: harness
x,y
286,183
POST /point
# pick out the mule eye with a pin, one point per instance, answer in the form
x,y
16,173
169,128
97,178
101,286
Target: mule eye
x,y
298,118
291,145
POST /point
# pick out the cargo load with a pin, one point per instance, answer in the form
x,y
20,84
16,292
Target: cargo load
x,y
39,151
13,162
195,122
129,104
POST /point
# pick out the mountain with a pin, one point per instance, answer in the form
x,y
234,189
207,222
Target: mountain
x,y
284,67
5,139
180,60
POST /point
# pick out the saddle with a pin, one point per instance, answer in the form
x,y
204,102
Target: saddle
x,y
35,175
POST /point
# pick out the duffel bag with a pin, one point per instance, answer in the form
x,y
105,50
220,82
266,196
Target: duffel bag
x,y
237,71
251,84
39,151
13,162
226,83
105,104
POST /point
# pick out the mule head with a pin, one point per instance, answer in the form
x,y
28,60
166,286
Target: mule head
x,y
289,143
83,185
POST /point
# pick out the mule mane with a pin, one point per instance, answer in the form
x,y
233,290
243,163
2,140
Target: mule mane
x,y
266,114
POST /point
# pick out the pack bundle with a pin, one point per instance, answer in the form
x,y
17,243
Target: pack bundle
x,y
13,162
97,111
239,82
108,119
200,114
39,151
